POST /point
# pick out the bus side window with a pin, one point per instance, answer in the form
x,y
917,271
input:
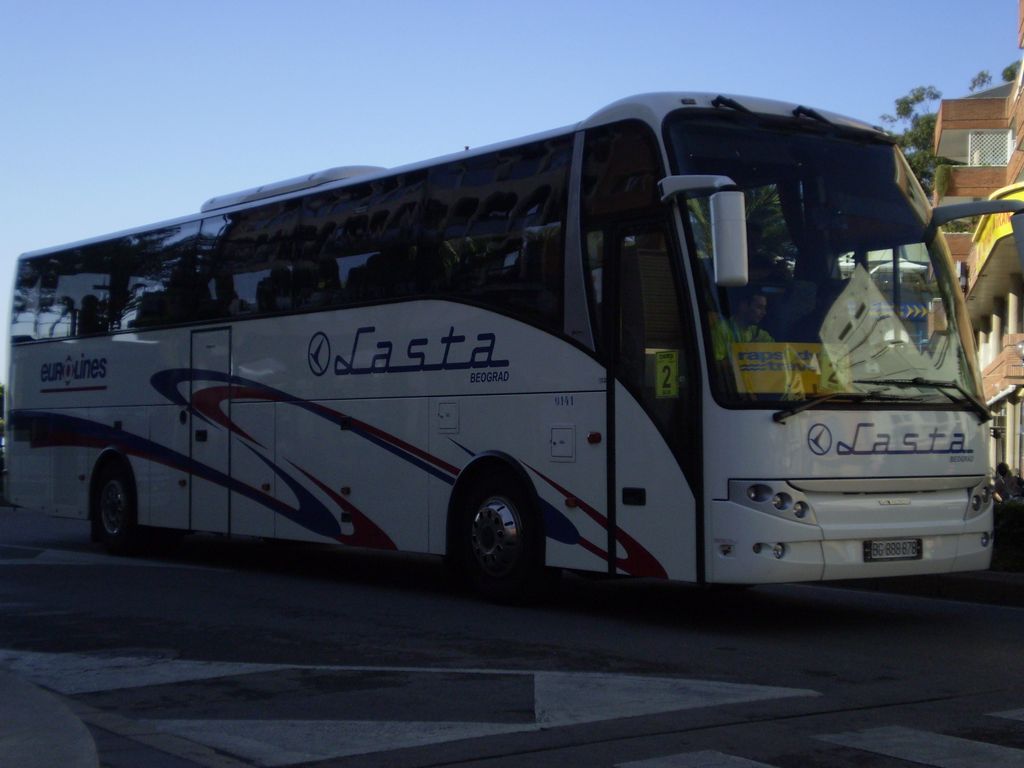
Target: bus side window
x,y
653,357
621,169
494,229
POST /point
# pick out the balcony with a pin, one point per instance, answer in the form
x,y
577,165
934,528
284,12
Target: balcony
x,y
1006,370
959,117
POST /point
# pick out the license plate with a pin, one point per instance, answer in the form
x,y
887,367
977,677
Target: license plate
x,y
892,549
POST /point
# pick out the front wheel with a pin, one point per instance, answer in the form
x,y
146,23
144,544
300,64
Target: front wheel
x,y
502,542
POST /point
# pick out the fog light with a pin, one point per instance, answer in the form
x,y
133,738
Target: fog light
x,y
985,539
779,551
757,549
800,509
781,501
976,502
986,494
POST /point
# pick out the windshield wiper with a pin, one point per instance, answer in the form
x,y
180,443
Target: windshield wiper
x,y
802,111
725,101
966,398
814,402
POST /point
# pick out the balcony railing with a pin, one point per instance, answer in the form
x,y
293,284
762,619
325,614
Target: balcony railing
x,y
986,148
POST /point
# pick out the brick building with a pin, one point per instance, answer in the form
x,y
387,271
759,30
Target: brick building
x,y
985,132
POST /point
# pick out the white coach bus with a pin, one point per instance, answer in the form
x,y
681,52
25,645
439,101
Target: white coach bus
x,y
694,337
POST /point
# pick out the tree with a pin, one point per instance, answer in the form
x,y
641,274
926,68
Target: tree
x,y
916,116
980,80
914,112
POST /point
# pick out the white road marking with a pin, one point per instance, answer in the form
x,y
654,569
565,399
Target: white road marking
x,y
560,699
933,749
704,759
37,556
282,742
1013,714
74,673
567,698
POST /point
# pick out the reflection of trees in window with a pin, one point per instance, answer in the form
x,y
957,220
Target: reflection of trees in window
x,y
255,250
489,230
150,272
63,294
120,283
365,243
494,228
771,251
25,306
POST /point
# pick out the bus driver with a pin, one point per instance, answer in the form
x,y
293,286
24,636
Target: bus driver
x,y
744,326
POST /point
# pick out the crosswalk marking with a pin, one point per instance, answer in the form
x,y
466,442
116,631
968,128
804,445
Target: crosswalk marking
x,y
77,673
557,699
530,700
561,698
12,555
283,742
704,759
1013,714
933,749
567,698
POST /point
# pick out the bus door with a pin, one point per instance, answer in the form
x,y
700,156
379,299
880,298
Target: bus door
x,y
650,397
647,343
209,496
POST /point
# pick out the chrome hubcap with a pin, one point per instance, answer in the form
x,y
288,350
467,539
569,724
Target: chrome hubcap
x,y
496,537
113,501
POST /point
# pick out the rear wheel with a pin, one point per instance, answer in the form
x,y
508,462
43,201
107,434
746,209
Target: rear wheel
x,y
502,541
115,517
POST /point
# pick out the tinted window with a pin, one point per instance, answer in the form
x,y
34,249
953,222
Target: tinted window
x,y
127,282
494,229
621,170
63,294
152,277
488,229
359,244
245,262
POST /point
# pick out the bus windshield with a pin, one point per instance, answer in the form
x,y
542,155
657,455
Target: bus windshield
x,y
848,293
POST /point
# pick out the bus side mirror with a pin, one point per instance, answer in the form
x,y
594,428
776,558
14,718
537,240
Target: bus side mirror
x,y
946,213
729,237
728,222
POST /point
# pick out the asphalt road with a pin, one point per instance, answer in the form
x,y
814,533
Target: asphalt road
x,y
231,653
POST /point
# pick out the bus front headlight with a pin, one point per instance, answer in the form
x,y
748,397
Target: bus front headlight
x,y
774,497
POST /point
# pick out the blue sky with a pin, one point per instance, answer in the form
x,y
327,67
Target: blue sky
x,y
120,113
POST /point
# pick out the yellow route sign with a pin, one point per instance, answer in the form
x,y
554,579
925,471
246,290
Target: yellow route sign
x,y
666,382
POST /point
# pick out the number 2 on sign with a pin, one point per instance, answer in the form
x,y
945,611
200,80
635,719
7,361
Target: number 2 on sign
x,y
667,366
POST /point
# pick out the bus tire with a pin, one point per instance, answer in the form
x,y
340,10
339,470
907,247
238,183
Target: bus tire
x,y
502,541
115,514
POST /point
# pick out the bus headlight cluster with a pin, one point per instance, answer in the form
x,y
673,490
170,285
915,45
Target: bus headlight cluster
x,y
981,497
777,498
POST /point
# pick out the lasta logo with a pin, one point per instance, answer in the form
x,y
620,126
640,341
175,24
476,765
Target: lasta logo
x,y
870,440
371,353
